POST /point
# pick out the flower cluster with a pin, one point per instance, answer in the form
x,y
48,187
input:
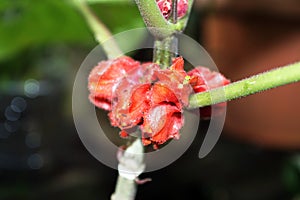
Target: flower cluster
x,y
146,97
165,7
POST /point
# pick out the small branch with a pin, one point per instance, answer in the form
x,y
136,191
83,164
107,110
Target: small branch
x,y
101,33
154,19
125,189
264,81
165,50
131,165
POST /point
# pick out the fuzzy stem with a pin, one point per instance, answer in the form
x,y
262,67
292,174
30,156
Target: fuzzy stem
x,y
131,165
257,83
102,35
125,189
154,19
164,51
158,25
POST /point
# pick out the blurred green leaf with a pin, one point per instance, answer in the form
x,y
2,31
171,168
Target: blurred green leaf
x,y
26,23
110,1
33,23
119,18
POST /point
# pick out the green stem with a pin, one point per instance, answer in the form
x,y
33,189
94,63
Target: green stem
x,y
164,51
181,23
131,165
165,46
101,33
125,189
264,81
154,20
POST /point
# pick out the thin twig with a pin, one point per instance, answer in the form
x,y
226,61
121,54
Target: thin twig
x,y
101,33
264,81
131,165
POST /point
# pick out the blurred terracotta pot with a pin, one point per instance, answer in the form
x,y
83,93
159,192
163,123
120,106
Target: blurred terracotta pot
x,y
245,46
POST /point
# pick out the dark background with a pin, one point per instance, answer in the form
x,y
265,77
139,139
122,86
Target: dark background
x,y
42,44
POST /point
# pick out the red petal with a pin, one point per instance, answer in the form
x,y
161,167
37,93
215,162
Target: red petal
x,y
174,79
132,101
139,99
165,7
132,96
123,134
182,8
178,64
142,74
104,78
162,123
161,93
100,102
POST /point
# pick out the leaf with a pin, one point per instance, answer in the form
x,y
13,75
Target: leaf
x,y
27,24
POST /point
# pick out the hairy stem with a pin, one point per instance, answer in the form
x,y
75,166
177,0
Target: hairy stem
x,y
156,22
264,81
131,165
125,189
101,33
165,50
153,19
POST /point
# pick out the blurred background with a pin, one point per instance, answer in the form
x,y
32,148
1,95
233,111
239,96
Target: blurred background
x,y
42,44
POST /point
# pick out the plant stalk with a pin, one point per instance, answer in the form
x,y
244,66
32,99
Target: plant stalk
x,y
125,189
257,83
102,35
131,165
165,50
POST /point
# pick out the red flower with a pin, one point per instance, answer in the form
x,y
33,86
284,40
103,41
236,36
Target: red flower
x,y
147,97
163,120
132,97
148,94
176,78
105,77
165,7
161,123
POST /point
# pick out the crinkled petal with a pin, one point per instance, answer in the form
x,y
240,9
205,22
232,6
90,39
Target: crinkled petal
x,y
105,77
100,102
175,79
160,93
132,102
161,123
132,96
